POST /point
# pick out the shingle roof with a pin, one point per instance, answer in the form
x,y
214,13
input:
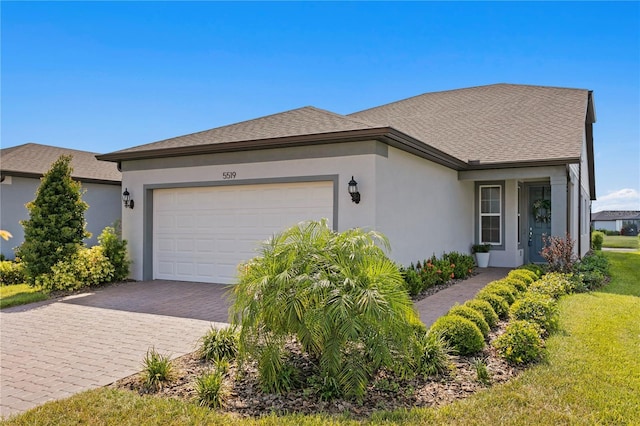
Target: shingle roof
x,y
616,215
493,124
33,159
500,123
297,122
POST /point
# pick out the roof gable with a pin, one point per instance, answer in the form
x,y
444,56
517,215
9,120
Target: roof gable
x,y
34,160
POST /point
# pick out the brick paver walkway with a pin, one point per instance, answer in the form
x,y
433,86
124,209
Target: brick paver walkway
x,y
54,349
433,307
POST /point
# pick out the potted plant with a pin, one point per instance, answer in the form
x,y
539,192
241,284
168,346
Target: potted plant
x,y
482,254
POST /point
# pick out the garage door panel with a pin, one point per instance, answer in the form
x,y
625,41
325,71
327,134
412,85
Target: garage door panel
x,y
203,233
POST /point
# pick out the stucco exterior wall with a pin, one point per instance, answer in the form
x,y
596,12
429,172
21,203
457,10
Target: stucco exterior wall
x,y
422,207
249,171
15,192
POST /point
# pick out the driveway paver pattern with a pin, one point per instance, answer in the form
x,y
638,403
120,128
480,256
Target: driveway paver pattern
x,y
54,349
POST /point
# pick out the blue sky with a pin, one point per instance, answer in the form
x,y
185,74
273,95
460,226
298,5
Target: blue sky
x,y
103,76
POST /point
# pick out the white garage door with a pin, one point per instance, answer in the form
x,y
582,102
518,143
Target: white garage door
x,y
203,233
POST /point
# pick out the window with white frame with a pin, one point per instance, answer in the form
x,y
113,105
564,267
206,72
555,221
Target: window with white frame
x,y
490,214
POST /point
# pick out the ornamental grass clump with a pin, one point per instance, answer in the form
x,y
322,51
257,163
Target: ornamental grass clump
x,y
430,355
473,316
157,369
461,334
210,388
484,308
219,344
336,294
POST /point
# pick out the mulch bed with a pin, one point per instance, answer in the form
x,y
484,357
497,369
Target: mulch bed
x,y
246,399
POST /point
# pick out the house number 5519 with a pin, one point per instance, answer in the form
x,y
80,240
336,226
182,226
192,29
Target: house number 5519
x,y
228,175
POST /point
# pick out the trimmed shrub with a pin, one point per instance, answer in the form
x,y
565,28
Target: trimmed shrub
x,y
538,308
532,267
504,290
499,305
461,334
594,262
553,284
219,344
12,273
519,285
523,275
521,342
484,308
87,267
115,249
472,315
597,238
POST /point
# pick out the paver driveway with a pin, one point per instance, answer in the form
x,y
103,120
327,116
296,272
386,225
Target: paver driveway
x,y
54,349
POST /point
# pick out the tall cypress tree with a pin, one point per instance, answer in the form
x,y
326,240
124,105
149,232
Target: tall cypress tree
x,y
56,227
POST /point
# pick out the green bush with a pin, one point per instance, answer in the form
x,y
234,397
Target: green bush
x,y
504,290
430,356
157,369
85,268
523,275
472,315
518,284
219,344
499,305
115,249
56,227
590,280
532,267
595,262
554,284
210,389
412,281
597,238
521,342
484,308
538,308
338,294
559,253
12,273
461,334
463,264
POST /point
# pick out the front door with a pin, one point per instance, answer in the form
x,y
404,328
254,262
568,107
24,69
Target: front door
x,y
539,220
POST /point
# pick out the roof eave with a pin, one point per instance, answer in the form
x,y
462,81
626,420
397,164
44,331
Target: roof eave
x,y
526,163
30,175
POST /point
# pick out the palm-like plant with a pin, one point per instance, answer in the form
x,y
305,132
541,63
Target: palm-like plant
x,y
337,294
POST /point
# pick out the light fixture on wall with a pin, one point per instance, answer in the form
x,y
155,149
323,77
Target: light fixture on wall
x,y
353,190
126,199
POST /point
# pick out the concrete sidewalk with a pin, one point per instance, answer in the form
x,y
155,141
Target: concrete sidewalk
x,y
433,307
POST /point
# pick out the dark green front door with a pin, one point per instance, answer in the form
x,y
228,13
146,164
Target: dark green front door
x,y
539,220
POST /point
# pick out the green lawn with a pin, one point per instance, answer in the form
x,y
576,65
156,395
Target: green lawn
x,y
19,294
620,241
591,376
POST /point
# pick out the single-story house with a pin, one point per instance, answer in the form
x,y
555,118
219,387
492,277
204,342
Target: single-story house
x,y
501,164
617,220
21,168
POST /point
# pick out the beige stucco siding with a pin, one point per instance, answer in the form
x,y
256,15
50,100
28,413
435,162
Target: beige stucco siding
x,y
422,207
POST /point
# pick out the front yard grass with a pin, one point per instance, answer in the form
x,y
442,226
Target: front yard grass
x,y
621,241
19,294
591,376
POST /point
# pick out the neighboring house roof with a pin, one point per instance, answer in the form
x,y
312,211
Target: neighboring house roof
x,y
613,215
34,160
501,125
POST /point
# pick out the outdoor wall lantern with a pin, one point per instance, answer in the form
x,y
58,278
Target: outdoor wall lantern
x,y
353,190
126,199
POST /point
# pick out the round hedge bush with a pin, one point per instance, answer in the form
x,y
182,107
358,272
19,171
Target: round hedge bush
x,y
521,342
484,308
499,305
506,291
475,317
518,284
538,308
462,335
523,274
554,284
532,267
